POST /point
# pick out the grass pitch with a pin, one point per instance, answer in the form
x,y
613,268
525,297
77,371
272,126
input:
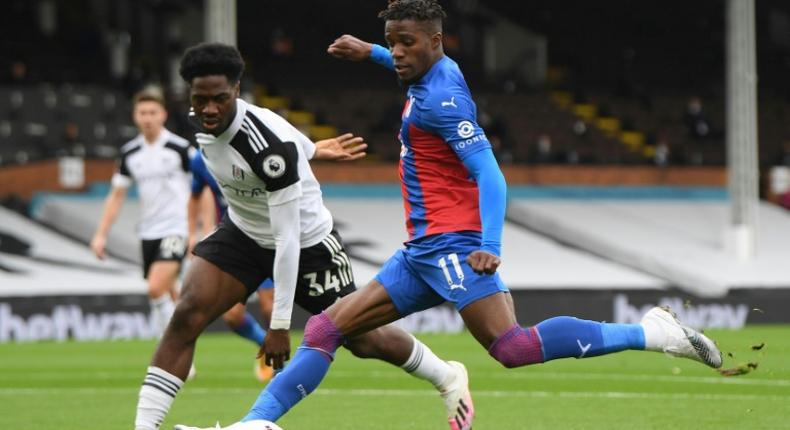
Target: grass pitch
x,y
86,386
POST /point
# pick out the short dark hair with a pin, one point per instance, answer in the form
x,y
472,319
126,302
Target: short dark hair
x,y
417,10
209,59
149,94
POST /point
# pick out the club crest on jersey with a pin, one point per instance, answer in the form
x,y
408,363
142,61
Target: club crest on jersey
x,y
238,174
274,166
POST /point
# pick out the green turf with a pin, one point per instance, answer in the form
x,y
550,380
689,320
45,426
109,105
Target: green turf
x,y
85,386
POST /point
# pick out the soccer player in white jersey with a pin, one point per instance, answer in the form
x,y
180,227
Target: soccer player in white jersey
x,y
276,226
158,161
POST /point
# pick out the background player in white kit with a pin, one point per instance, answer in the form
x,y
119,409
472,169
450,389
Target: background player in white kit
x,y
158,161
276,226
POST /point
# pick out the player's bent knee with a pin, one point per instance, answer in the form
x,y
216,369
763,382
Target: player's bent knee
x,y
188,319
322,334
517,347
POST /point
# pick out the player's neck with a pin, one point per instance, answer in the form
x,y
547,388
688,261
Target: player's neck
x,y
151,138
437,57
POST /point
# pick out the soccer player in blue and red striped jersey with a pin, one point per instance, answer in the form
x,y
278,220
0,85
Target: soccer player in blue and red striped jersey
x,y
454,198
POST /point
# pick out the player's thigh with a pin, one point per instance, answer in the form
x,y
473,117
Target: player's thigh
x,y
397,291
208,293
162,276
489,317
236,255
363,310
234,317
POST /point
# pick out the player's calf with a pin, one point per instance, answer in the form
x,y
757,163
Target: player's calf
x,y
564,337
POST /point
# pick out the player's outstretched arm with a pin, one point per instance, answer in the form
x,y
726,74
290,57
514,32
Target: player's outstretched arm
x,y
348,47
346,147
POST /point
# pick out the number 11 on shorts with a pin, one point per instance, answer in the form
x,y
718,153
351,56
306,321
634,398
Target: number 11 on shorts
x,y
459,274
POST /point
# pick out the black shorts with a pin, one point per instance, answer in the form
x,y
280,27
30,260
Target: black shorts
x,y
324,269
170,248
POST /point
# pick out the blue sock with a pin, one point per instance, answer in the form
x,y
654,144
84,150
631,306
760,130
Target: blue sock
x,y
251,330
563,337
294,383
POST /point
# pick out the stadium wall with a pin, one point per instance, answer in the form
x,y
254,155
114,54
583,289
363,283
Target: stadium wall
x,y
45,176
119,317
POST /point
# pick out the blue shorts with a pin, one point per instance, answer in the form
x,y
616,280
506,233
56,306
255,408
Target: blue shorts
x,y
267,284
433,270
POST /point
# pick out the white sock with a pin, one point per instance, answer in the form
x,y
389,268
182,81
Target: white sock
x,y
156,395
162,308
655,336
424,364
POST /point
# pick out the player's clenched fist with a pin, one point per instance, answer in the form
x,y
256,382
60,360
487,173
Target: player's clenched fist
x,y
483,262
348,47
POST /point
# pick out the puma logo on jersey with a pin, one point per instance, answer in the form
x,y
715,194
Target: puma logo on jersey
x,y
450,103
457,287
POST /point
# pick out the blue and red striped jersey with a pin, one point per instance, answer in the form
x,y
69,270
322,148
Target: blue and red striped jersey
x,y
439,130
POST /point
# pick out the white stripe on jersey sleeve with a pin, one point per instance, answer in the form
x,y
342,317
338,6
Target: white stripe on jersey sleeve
x,y
255,133
256,147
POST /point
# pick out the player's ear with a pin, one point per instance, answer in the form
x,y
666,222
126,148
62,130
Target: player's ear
x,y
436,40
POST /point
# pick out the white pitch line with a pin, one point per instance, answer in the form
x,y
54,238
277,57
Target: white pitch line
x,y
375,374
416,393
716,380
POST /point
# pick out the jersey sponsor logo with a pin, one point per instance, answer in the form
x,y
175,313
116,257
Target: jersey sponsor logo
x,y
466,129
469,142
253,192
238,174
274,166
450,103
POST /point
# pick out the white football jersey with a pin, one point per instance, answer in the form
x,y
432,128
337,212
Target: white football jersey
x,y
261,160
161,171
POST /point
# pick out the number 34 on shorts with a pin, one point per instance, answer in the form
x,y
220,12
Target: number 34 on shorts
x,y
321,282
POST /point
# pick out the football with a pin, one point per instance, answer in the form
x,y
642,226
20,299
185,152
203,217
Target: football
x,y
258,425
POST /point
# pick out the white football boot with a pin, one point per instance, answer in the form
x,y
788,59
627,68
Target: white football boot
x,y
663,332
458,399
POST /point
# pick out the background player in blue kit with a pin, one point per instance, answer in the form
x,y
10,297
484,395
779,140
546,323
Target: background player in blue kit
x,y
237,318
454,199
